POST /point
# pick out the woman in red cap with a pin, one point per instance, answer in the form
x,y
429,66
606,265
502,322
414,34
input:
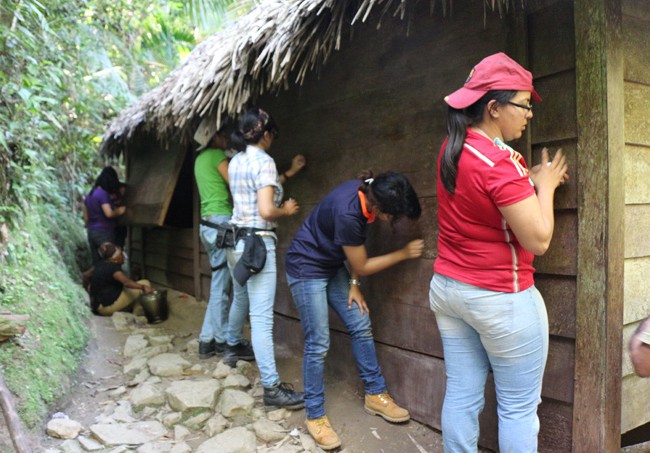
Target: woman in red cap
x,y
494,215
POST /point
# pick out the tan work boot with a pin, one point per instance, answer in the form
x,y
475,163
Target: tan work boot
x,y
322,432
384,406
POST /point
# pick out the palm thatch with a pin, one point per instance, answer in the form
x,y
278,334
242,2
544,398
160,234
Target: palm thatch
x,y
277,43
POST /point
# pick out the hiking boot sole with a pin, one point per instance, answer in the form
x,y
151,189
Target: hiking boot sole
x,y
386,417
207,355
293,407
327,447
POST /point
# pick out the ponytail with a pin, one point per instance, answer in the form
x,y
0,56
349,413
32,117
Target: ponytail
x,y
457,123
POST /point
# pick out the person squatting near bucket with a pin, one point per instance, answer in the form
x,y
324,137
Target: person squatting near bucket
x,y
333,233
257,194
494,215
111,290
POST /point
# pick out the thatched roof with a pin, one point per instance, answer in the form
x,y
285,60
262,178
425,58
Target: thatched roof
x,y
277,43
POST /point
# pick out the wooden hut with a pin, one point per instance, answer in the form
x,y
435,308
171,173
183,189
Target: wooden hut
x,y
359,84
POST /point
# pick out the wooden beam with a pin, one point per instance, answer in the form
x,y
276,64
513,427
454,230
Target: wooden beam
x,y
196,242
599,308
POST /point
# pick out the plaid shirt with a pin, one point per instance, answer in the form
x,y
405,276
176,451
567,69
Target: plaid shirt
x,y
248,172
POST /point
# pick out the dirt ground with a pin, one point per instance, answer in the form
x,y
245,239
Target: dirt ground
x,y
102,368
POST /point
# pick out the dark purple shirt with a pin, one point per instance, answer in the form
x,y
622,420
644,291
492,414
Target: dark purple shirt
x,y
96,218
317,248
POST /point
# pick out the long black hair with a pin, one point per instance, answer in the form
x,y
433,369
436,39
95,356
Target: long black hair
x,y
457,122
392,193
252,125
107,180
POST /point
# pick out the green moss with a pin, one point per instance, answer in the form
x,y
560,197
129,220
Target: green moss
x,y
35,279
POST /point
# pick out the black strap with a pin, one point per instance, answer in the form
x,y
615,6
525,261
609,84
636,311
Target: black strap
x,y
221,266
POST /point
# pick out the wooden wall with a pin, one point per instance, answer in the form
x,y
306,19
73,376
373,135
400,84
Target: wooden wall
x,y
636,41
379,104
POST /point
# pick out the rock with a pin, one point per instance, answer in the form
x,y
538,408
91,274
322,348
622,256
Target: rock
x,y
123,412
119,391
141,377
196,422
190,394
233,403
167,364
89,444
70,446
162,446
235,440
153,351
135,344
221,371
136,433
147,395
63,428
236,380
181,448
277,415
269,431
122,320
181,433
135,366
171,419
308,443
216,425
258,413
161,340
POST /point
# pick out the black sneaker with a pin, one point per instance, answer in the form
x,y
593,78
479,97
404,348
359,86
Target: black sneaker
x,y
209,348
241,351
283,395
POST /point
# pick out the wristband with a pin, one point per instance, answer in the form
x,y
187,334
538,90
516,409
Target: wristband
x,y
354,281
286,176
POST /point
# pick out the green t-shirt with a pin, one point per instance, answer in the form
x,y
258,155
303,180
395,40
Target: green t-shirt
x,y
213,189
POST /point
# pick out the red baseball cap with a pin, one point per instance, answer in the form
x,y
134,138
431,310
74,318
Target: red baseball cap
x,y
496,72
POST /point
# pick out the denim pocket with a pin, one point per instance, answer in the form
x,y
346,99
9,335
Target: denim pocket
x,y
490,313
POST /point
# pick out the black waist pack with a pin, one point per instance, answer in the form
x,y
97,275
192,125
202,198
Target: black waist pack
x,y
252,260
226,233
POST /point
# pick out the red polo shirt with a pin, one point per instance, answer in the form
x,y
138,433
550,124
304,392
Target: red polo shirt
x,y
475,244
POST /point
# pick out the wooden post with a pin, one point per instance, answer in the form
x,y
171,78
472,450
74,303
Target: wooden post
x,y
14,424
599,305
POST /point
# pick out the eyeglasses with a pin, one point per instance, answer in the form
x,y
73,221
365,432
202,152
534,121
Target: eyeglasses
x,y
522,106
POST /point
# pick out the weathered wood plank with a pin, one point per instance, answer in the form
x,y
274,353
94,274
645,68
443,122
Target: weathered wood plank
x,y
637,226
559,294
636,8
561,258
169,238
170,264
555,118
637,123
637,303
552,29
172,280
636,45
152,178
635,411
637,168
599,308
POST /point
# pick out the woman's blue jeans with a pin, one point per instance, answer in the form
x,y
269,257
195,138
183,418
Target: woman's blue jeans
x,y
215,321
312,297
483,329
256,298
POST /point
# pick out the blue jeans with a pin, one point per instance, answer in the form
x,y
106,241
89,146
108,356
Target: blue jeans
x,y
256,298
483,329
215,321
312,297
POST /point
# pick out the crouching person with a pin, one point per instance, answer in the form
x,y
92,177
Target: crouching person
x,y
111,290
333,233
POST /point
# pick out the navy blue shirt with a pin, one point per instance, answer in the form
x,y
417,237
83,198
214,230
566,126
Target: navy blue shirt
x,y
317,248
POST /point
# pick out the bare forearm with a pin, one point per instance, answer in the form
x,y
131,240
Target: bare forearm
x,y
380,263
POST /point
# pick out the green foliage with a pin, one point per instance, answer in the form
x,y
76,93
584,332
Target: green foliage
x,y
66,69
35,281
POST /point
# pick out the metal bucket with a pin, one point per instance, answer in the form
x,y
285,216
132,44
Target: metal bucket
x,y
155,306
